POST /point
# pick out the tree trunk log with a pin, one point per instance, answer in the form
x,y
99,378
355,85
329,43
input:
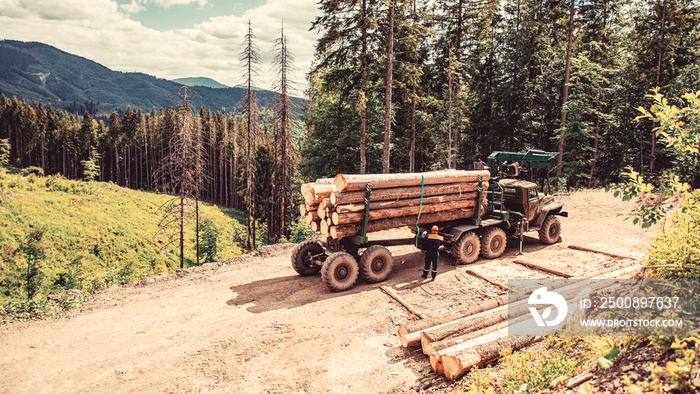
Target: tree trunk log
x,y
346,183
461,327
397,193
339,232
480,351
449,342
356,217
410,332
311,217
360,207
316,226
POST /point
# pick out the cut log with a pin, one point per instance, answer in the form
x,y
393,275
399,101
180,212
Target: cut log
x,y
410,333
345,182
339,232
401,301
480,351
461,327
302,209
543,269
323,208
437,346
378,214
493,282
338,198
322,191
360,207
316,226
325,228
311,217
581,248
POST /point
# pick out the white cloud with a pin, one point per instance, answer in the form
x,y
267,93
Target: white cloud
x,y
170,3
56,9
100,30
134,7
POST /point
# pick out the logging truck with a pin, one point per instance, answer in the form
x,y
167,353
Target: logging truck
x,y
476,212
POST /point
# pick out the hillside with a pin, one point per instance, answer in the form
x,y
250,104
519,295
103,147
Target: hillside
x,y
200,81
34,71
95,235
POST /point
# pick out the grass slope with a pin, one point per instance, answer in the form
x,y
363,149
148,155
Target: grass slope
x,y
95,234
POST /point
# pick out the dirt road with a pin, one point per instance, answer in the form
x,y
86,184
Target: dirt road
x,y
252,325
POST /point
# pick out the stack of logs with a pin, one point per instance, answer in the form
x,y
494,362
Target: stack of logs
x,y
462,339
335,206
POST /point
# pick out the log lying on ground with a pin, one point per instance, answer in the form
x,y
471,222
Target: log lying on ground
x,y
461,327
480,351
344,182
437,346
397,193
338,232
410,333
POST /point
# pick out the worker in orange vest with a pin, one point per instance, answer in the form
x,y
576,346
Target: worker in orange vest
x,y
431,244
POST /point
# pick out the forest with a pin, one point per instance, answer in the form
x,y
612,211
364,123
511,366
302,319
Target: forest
x,y
401,86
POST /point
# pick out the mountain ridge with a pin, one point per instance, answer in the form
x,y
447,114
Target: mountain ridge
x,y
35,72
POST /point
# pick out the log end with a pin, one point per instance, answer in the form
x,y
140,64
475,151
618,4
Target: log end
x,y
456,365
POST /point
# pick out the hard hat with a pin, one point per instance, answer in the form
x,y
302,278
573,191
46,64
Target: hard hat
x,y
435,229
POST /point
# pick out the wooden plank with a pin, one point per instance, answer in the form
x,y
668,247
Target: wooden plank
x,y
401,301
581,248
543,269
493,282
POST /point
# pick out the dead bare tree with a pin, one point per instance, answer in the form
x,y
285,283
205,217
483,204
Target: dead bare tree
x,y
180,172
286,112
250,56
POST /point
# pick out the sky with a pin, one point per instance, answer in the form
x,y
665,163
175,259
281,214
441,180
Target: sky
x,y
169,38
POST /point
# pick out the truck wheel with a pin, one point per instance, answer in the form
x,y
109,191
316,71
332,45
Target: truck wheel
x,y
303,257
376,263
466,249
493,243
340,271
550,230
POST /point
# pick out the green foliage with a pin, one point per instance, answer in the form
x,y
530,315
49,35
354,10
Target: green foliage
x,y
302,231
679,245
32,171
91,168
34,251
210,238
61,238
678,375
4,151
679,130
526,371
34,309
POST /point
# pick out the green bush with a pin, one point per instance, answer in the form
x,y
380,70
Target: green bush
x,y
210,237
679,245
302,231
37,171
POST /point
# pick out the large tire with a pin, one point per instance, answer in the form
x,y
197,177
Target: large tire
x,y
303,256
550,231
466,249
493,243
376,264
340,271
